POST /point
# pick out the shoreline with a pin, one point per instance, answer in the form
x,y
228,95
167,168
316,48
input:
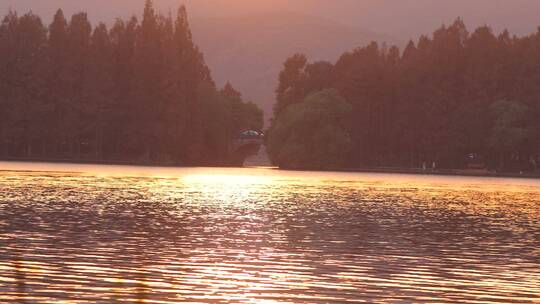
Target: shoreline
x,y
110,163
380,170
443,172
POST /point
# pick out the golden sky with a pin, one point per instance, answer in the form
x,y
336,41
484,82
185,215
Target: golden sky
x,y
401,19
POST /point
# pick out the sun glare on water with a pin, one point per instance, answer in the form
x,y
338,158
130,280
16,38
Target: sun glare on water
x,y
234,180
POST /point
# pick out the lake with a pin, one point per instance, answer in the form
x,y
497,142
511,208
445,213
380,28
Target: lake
x,y
113,234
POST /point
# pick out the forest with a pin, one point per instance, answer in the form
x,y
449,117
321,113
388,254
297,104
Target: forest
x,y
454,99
139,91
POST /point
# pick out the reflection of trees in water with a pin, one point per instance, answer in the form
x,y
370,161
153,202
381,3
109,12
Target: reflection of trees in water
x,y
142,290
368,233
12,254
20,280
388,240
122,237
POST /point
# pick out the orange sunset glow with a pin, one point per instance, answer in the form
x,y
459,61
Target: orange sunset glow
x,y
234,151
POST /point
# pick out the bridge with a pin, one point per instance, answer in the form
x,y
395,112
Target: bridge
x,y
247,144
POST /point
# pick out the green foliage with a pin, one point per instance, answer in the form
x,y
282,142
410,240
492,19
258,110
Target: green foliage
x,y
291,83
242,115
140,91
311,134
510,129
432,102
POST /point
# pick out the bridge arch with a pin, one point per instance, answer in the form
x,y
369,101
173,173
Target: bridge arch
x,y
245,145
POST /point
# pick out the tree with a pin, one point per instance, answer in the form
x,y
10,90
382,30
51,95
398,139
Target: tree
x,y
243,116
78,90
510,130
100,87
291,83
430,103
123,114
318,76
360,79
8,60
148,80
26,38
57,80
312,134
139,92
193,78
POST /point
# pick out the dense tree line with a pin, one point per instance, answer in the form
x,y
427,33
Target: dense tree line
x,y
139,91
455,98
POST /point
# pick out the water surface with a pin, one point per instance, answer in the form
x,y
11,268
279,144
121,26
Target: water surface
x,y
106,234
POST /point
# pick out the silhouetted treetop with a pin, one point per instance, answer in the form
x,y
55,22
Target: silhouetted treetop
x,y
453,98
140,91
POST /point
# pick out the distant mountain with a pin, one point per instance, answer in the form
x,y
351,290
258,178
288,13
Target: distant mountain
x,y
400,18
249,50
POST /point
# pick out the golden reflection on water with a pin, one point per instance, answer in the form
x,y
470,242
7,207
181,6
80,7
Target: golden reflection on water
x,y
114,234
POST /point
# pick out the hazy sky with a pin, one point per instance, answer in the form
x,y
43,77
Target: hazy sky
x,y
399,18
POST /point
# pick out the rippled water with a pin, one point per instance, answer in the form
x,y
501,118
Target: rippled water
x,y
141,235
